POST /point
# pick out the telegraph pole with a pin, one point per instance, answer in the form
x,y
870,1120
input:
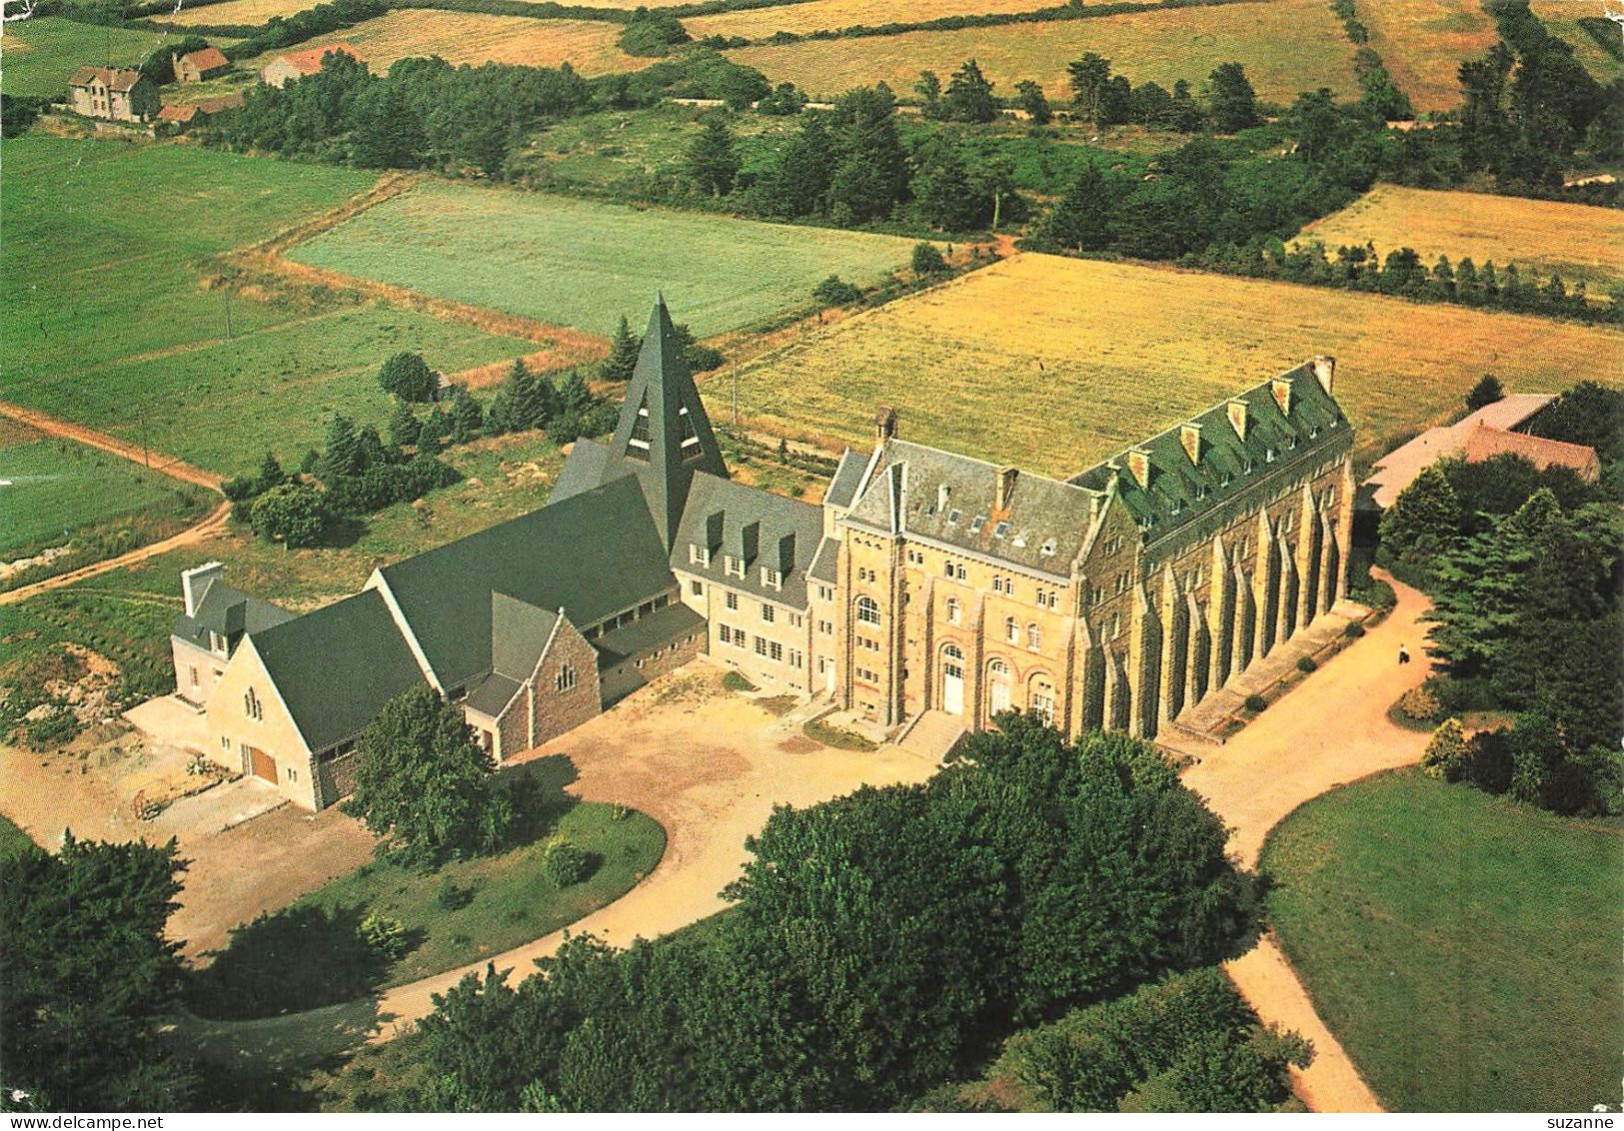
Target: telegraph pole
x,y
228,312
735,399
146,452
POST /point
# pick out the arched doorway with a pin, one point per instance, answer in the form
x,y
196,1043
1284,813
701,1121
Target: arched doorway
x,y
953,680
998,697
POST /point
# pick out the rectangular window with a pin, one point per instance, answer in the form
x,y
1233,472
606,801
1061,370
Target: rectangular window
x,y
761,645
697,588
794,658
731,600
293,775
768,613
771,578
775,652
735,566
827,627
825,593
698,555
194,676
795,620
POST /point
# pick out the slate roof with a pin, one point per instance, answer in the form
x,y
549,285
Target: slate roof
x,y
1180,491
584,468
492,694
1042,528
670,623
229,612
842,491
759,526
335,668
519,633
825,563
114,79
593,555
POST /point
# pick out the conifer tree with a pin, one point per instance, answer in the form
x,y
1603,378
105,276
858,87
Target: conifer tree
x,y
622,357
342,455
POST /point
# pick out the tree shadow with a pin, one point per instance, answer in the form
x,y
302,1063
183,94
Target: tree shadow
x,y
300,958
341,533
537,790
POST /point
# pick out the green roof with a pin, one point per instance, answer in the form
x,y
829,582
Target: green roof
x,y
593,555
336,667
519,631
1179,490
229,612
674,621
747,522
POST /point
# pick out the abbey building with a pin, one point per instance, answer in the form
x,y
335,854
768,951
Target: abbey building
x,y
926,581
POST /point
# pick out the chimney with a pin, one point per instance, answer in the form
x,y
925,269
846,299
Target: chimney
x,y
1190,437
1281,388
885,424
1004,488
1237,415
1325,370
194,582
1139,464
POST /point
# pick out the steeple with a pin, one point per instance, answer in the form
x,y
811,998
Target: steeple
x,y
664,434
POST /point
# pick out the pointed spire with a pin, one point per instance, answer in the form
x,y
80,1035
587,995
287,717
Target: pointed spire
x,y
664,434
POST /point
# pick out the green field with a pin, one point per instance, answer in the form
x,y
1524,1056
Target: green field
x,y
1464,949
584,264
107,322
50,490
41,53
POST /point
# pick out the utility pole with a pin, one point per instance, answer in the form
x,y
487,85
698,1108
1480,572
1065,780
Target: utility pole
x,y
228,312
146,452
735,399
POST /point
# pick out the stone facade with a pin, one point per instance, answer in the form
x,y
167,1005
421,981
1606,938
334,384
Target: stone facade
x,y
116,95
256,733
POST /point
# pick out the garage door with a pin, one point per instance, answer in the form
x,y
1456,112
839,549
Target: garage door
x,y
263,765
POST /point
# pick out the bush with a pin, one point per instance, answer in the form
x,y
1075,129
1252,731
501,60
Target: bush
x,y
454,897
564,863
735,681
384,935
835,291
927,260
1256,703
1489,760
1419,704
1307,664
1354,631
407,376
652,33
1447,754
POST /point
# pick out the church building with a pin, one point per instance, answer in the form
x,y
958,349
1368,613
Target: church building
x,y
925,582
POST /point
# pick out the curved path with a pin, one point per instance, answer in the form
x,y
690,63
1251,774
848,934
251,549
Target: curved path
x,y
211,526
1331,729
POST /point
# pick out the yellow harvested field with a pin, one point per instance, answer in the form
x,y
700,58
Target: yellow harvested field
x,y
1287,46
1561,19
1055,363
1576,241
1424,42
820,15
234,12
472,37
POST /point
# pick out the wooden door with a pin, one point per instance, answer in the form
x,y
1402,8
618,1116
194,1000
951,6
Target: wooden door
x,y
262,764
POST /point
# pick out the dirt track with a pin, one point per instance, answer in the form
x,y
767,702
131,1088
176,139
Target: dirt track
x,y
1330,729
210,527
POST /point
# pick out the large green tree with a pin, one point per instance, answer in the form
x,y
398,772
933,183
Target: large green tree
x,y
1088,77
711,161
408,377
622,359
423,783
1423,521
1232,100
969,96
292,514
87,978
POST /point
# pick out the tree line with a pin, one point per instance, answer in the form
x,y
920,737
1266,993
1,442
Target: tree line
x,y
881,945
1524,568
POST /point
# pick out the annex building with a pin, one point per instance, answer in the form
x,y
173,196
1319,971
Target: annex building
x,y
925,582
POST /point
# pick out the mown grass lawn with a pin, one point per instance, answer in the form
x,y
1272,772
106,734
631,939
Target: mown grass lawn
x,y
107,324
584,264
1463,949
307,954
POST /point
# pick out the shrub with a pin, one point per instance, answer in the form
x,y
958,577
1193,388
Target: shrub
x,y
652,33
735,681
408,377
927,260
384,935
1446,755
1307,664
564,863
835,291
1419,704
453,896
1256,703
1489,760
1354,631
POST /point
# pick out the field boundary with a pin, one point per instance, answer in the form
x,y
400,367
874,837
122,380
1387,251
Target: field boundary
x,y
565,346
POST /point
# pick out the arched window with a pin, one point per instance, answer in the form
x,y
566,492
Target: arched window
x,y
998,667
1012,631
953,652
952,610
565,679
868,612
1034,638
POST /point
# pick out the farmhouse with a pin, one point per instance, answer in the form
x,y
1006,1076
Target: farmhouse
x,y
297,64
179,119
925,582
199,65
117,95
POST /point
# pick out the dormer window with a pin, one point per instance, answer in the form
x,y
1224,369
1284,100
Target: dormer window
x,y
698,555
217,643
1048,548
953,517
1248,468
1313,432
1291,443
1223,480
1001,530
734,566
1201,490
1269,455
980,521
772,578
1178,506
